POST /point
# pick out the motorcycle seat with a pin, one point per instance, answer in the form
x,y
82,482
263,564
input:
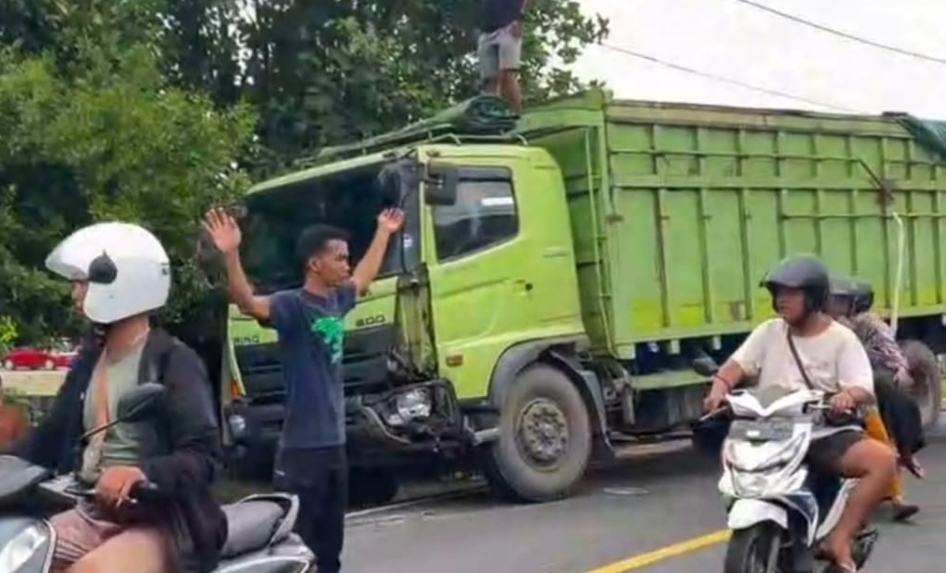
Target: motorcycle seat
x,y
252,523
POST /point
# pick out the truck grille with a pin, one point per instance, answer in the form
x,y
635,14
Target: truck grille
x,y
364,365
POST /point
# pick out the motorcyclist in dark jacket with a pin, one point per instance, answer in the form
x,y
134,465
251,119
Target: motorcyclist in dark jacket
x,y
121,274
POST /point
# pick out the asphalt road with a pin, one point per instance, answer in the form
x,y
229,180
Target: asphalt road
x,y
660,515
656,515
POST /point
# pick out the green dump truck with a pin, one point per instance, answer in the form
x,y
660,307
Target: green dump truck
x,y
554,282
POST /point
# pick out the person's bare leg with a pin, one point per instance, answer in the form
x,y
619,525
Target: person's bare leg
x,y
875,466
510,90
139,549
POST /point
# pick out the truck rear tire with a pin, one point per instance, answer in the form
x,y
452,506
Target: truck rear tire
x,y
545,438
927,387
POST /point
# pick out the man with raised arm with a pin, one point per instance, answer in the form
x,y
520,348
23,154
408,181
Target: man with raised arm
x,y
311,460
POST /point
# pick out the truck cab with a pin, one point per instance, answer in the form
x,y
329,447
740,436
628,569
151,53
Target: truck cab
x,y
483,263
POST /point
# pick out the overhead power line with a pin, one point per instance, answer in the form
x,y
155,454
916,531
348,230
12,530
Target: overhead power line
x,y
726,80
842,34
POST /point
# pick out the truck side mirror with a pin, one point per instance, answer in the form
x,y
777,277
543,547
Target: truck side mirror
x,y
389,185
440,184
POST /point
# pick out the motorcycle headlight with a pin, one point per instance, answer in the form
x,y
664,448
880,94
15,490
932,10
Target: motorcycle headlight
x,y
24,545
751,484
759,457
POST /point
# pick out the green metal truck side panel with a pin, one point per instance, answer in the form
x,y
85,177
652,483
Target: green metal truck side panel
x,y
679,210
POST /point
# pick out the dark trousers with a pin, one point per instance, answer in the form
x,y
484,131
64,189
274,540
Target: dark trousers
x,y
319,477
900,414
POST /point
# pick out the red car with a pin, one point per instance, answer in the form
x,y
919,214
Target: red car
x,y
38,359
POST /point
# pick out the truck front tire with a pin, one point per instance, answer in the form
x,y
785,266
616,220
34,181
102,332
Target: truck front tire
x,y
545,438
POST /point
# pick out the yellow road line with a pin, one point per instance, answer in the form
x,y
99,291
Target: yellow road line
x,y
675,550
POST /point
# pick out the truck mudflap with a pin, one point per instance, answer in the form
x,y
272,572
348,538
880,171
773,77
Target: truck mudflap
x,y
422,415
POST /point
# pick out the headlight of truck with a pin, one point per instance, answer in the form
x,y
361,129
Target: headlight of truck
x,y
237,425
411,405
23,546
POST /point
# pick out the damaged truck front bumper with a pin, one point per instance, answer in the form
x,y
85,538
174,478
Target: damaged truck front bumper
x,y
423,416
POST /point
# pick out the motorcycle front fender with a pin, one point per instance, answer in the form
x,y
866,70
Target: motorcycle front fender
x,y
745,513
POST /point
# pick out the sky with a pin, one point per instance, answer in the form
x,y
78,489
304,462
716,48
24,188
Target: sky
x,y
731,39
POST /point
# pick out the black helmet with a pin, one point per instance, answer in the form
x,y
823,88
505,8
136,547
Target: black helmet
x,y
804,272
843,286
863,297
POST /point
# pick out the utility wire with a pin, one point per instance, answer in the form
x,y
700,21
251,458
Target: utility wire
x,y
842,34
723,79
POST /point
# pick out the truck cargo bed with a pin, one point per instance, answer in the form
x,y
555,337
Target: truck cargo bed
x,y
679,210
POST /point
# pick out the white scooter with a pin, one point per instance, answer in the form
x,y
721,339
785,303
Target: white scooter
x,y
260,538
778,512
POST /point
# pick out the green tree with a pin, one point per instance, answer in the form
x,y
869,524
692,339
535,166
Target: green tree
x,y
333,71
150,110
104,140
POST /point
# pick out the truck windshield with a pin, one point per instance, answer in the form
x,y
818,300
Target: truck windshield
x,y
276,217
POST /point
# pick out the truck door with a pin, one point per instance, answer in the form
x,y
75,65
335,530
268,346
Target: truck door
x,y
482,274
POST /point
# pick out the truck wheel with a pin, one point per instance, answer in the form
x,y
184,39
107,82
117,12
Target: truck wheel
x,y
927,387
545,438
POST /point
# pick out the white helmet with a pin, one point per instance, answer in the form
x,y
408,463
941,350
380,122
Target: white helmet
x,y
127,268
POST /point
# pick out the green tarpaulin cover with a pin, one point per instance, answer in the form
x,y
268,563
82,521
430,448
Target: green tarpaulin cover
x,y
928,133
481,115
486,114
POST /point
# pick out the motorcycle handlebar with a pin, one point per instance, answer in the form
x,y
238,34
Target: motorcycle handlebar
x,y
144,490
141,491
824,403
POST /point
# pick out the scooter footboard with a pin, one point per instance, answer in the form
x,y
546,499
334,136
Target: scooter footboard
x,y
745,513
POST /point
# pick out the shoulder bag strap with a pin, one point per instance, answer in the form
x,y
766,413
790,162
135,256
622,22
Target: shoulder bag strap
x,y
798,362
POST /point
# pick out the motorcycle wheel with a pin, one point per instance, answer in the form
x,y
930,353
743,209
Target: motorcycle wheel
x,y
754,550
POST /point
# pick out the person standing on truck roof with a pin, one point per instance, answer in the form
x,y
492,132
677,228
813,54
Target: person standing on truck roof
x,y
500,49
891,373
311,460
806,348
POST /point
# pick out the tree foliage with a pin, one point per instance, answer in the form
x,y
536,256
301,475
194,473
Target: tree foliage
x,y
110,143
337,71
150,110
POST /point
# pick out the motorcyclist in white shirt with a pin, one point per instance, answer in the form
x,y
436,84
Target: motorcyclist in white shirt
x,y
834,361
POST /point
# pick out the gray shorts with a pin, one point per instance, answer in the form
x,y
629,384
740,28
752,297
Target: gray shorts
x,y
499,51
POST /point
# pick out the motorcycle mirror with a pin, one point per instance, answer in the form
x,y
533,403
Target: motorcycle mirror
x,y
135,406
141,402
